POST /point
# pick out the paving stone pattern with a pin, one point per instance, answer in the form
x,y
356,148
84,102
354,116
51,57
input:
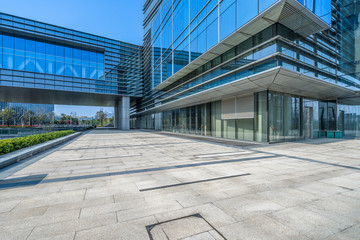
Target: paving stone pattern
x,y
90,189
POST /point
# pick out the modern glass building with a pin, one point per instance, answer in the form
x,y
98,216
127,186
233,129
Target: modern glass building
x,y
43,63
260,70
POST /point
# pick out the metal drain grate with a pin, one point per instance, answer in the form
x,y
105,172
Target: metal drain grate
x,y
186,228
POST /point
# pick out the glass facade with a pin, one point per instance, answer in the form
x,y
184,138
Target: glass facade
x,y
183,30
36,55
44,56
278,117
179,76
46,111
178,32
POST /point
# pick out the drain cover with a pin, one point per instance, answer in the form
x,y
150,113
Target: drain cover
x,y
192,227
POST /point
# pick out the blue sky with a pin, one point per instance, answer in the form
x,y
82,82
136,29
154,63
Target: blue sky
x,y
117,19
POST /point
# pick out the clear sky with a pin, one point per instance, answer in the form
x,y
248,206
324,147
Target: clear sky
x,y
117,19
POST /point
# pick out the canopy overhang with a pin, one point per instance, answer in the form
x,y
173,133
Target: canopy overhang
x,y
276,79
290,13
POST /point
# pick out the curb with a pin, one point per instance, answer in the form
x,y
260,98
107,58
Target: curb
x,y
22,154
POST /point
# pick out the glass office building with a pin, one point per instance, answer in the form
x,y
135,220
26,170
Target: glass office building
x,y
43,63
261,70
39,55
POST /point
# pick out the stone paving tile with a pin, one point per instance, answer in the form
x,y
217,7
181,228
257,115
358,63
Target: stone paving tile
x,y
111,207
349,233
260,227
339,208
6,206
60,228
244,207
200,236
22,233
22,213
309,223
134,230
296,190
34,221
66,236
183,228
288,197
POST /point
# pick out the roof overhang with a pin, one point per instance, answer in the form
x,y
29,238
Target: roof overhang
x,y
276,79
290,13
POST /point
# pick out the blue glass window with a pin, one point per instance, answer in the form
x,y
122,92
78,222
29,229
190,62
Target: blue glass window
x,y
264,4
40,65
227,20
68,52
8,44
246,10
40,48
37,56
19,62
85,55
93,57
212,34
181,17
30,48
60,51
196,6
310,5
19,44
50,49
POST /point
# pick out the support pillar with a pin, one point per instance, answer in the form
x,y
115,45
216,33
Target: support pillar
x,y
122,114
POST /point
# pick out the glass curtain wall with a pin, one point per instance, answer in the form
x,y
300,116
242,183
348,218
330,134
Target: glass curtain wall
x,y
205,120
278,117
33,55
284,117
349,120
183,30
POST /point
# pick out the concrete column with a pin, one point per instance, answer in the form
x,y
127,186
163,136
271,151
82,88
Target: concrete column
x,y
158,121
122,114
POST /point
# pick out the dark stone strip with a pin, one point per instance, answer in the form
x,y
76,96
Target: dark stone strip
x,y
193,182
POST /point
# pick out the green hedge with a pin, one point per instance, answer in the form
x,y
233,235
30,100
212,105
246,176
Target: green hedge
x,y
13,144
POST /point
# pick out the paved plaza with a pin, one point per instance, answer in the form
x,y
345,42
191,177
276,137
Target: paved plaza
x,y
109,184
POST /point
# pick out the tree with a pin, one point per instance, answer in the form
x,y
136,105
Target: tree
x,y
41,118
19,115
51,117
30,117
101,116
7,115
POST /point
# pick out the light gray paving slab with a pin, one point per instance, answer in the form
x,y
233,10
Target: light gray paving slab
x,y
184,227
297,190
134,229
349,233
260,227
62,228
22,233
309,223
201,236
248,206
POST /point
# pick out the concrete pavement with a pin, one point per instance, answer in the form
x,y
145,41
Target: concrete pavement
x,y
110,184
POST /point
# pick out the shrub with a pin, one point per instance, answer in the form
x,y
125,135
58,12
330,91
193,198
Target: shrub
x,y
13,144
